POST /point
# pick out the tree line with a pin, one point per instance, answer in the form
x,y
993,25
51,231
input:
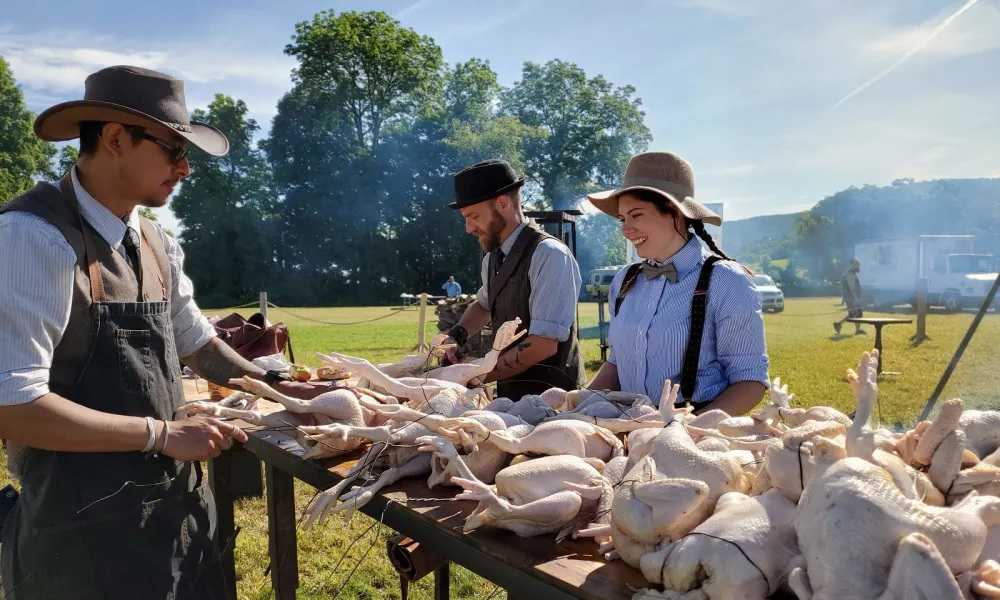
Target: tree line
x,y
345,200
812,258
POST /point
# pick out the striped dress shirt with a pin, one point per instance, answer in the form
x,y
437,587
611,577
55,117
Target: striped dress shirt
x,y
555,286
648,338
36,292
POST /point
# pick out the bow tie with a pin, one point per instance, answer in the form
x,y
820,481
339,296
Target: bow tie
x,y
653,271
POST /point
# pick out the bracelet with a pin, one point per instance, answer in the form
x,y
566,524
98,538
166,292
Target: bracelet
x,y
460,335
150,434
166,433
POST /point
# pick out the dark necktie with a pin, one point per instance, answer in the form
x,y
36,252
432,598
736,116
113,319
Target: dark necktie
x,y
131,243
652,271
499,259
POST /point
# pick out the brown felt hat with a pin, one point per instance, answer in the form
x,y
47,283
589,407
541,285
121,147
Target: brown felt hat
x,y
131,96
663,173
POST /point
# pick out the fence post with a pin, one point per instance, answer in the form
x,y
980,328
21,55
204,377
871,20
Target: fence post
x,y
263,305
421,344
921,334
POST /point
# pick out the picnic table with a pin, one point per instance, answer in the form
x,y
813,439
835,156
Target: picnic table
x,y
533,567
878,323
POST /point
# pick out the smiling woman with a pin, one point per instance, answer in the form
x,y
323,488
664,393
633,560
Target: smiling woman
x,y
665,325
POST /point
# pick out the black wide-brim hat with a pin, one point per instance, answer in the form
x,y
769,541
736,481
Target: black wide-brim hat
x,y
483,181
131,96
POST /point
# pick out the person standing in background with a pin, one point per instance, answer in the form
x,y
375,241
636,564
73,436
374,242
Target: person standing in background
x,y
451,288
852,297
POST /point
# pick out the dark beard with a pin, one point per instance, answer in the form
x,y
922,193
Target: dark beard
x,y
493,230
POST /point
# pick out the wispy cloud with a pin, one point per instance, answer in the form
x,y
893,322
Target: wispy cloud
x,y
916,48
409,10
53,65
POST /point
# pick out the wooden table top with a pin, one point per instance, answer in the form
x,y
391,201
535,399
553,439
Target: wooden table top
x,y
572,565
879,320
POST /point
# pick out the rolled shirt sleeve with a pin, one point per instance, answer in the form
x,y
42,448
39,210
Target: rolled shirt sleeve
x,y
741,348
555,286
482,296
191,329
36,292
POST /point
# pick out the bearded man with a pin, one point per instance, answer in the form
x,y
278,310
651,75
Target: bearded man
x,y
526,273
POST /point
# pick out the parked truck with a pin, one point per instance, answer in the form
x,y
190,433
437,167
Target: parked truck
x,y
957,277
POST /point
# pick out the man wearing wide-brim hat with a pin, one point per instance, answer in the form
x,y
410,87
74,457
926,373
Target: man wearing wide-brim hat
x,y
526,274
97,314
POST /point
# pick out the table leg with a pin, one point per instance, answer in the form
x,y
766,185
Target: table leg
x,y
878,346
220,481
281,533
441,575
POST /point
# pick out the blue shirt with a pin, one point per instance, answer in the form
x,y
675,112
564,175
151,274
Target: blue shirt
x,y
452,289
555,282
649,337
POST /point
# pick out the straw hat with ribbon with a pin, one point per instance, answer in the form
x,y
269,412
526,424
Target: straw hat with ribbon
x,y
131,96
663,173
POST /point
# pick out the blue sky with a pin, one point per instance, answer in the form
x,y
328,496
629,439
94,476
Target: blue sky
x,y
751,92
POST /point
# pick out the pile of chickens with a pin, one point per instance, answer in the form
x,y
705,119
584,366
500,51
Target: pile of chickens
x,y
806,500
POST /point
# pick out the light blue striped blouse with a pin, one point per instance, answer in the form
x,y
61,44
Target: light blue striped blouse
x,y
648,338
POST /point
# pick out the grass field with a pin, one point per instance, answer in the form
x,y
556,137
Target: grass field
x,y
803,349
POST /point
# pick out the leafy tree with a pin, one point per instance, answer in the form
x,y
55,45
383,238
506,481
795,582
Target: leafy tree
x,y
376,70
66,160
592,128
23,156
225,207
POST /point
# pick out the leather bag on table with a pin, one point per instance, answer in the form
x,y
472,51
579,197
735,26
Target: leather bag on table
x,y
252,338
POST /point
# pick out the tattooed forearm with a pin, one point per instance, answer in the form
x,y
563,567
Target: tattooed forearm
x,y
219,363
517,359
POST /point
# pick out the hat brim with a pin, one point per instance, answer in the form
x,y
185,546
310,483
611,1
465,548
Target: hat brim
x,y
470,201
62,122
607,202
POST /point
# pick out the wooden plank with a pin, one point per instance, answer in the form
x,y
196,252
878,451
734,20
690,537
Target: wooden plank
x,y
441,583
220,482
281,533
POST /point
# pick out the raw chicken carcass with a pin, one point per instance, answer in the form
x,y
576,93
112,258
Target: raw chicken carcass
x,y
744,551
471,373
670,491
533,497
339,406
851,519
553,438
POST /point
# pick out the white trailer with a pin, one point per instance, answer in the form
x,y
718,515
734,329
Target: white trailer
x,y
956,276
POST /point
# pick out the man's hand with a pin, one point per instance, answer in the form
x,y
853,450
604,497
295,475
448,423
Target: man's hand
x,y
200,438
454,355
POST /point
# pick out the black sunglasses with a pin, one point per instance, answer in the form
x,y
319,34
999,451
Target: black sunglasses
x,y
175,154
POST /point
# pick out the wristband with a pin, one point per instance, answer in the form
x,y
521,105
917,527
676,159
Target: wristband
x,y
460,335
166,432
150,434
271,376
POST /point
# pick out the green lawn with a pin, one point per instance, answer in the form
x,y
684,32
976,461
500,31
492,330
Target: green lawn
x,y
804,352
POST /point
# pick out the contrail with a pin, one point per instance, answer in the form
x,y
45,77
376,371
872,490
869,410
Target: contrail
x,y
411,9
914,50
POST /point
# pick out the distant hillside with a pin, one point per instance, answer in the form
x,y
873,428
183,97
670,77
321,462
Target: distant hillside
x,y
744,234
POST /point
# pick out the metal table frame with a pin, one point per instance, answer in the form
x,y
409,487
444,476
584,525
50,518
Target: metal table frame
x,y
878,323
282,468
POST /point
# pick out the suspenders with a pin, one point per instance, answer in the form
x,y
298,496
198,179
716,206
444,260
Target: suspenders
x,y
699,302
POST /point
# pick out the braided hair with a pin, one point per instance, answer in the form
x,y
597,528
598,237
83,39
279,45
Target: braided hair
x,y
699,229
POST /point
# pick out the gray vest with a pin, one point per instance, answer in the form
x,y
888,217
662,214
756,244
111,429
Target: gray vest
x,y
120,285
509,292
